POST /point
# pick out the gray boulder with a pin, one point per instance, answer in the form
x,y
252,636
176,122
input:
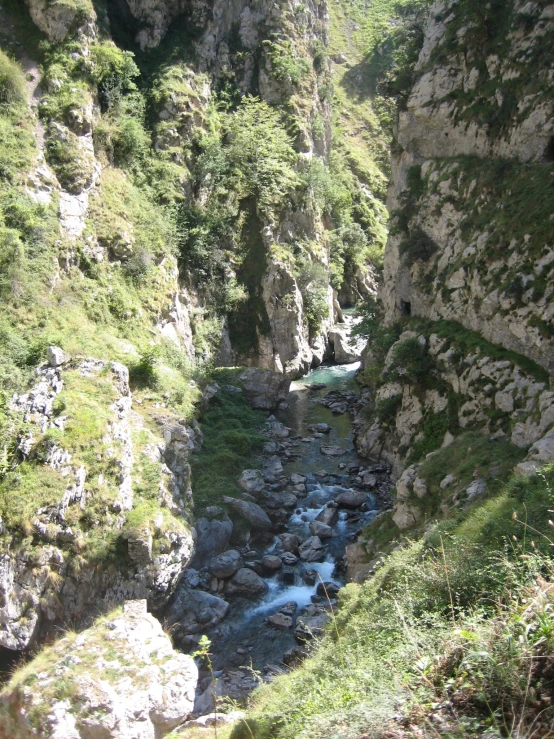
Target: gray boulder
x,y
264,389
212,538
55,356
251,481
251,512
321,530
271,563
351,499
310,623
246,582
328,516
226,564
312,550
194,611
280,621
290,542
332,451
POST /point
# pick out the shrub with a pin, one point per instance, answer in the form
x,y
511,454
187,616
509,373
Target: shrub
x,y
12,82
418,246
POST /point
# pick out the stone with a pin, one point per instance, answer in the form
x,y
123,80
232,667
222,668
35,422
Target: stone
x,y
369,481
290,542
251,481
294,657
225,564
212,538
543,449
310,623
343,351
271,563
264,389
332,451
312,550
329,516
327,589
147,691
56,356
447,481
477,487
246,582
321,530
351,499
289,609
288,558
420,487
195,611
297,479
280,621
320,428
251,512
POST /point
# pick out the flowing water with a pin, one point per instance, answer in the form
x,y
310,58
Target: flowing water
x,y
245,638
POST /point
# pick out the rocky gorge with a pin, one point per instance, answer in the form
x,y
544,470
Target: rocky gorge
x,y
276,402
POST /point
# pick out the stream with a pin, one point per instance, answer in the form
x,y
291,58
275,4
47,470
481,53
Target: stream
x,y
245,646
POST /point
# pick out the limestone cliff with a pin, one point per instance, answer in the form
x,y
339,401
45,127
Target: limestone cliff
x,y
472,182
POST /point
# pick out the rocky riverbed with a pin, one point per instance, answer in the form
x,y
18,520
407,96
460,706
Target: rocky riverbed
x,y
262,585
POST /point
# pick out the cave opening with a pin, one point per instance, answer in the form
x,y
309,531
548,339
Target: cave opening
x,y
9,659
405,308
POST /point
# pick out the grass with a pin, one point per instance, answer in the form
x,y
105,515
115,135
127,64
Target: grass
x,y
441,620
231,441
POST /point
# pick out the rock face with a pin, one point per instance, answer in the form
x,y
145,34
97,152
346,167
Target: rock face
x,y
134,684
265,389
158,547
444,263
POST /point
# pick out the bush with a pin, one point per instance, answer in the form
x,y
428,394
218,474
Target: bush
x,y
417,246
12,82
412,363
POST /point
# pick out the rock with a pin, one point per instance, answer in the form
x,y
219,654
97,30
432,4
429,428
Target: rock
x,y
55,356
320,428
280,621
420,487
447,481
289,609
329,516
332,451
225,564
273,466
295,656
312,550
369,481
327,589
321,530
527,468
343,351
290,542
265,389
251,512
276,429
351,499
246,582
194,611
297,479
288,558
271,563
209,720
135,684
311,622
212,538
477,487
251,481
543,449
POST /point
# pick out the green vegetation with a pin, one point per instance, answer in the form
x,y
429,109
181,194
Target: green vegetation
x,y
462,615
230,444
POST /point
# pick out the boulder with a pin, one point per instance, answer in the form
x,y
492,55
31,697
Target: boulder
x,y
134,685
320,428
264,389
212,538
332,451
271,563
343,351
312,550
226,564
194,611
55,356
251,512
297,479
311,622
290,542
321,530
328,516
280,621
351,499
288,558
251,481
246,582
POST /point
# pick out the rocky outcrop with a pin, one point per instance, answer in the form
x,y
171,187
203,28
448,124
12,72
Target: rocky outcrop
x,y
64,575
265,389
454,388
475,105
56,19
119,679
